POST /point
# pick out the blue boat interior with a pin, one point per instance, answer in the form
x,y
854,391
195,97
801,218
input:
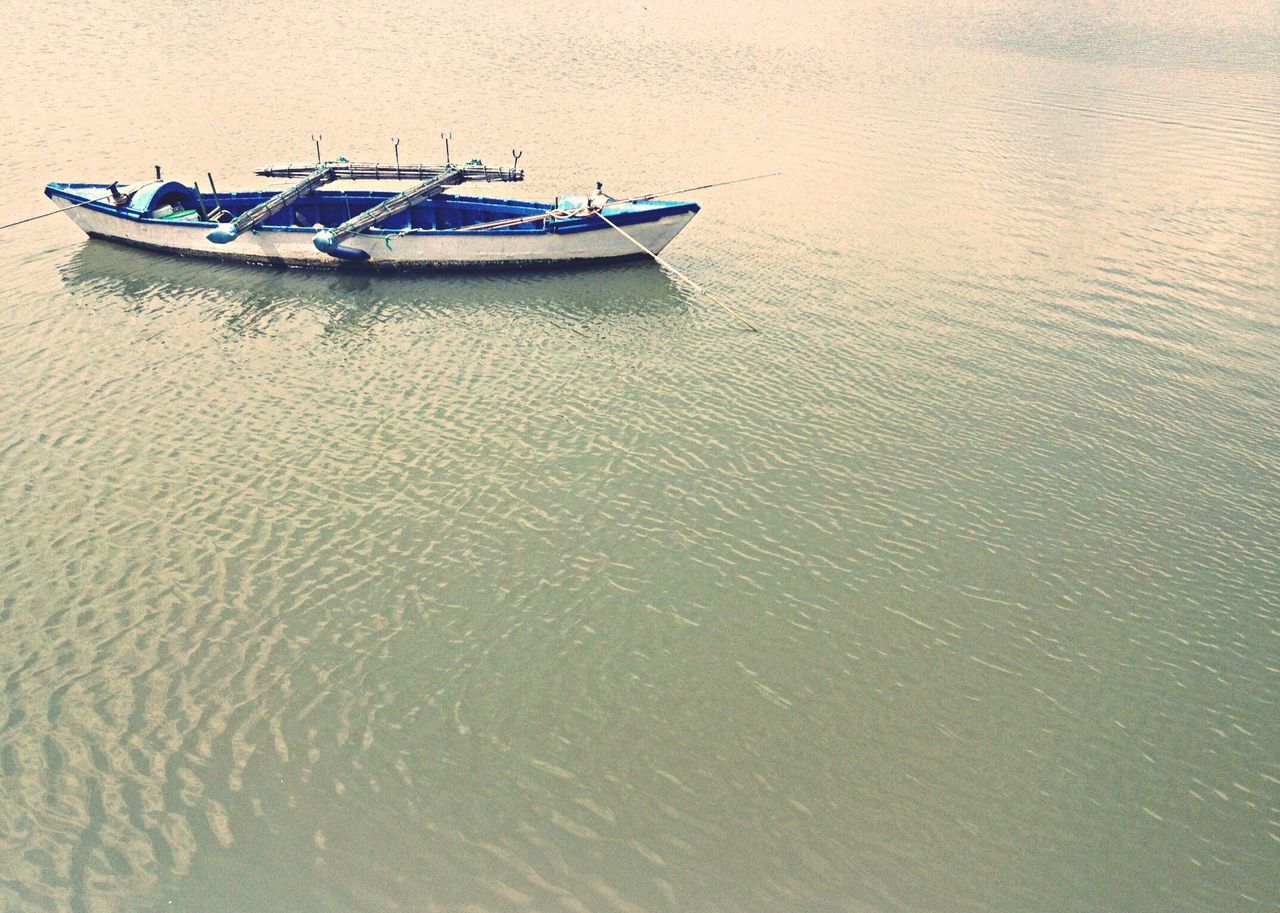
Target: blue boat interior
x,y
329,208
174,201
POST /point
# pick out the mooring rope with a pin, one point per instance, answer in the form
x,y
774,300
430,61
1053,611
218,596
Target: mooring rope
x,y
681,275
56,211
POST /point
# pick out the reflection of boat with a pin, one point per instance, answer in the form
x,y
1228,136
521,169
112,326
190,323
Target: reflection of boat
x,y
246,300
420,227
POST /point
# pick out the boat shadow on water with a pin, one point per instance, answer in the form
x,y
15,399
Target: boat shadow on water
x,y
250,299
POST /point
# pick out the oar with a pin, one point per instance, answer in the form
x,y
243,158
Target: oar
x,y
662,262
523,220
510,223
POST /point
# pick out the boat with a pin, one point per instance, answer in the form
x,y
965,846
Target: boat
x,y
421,227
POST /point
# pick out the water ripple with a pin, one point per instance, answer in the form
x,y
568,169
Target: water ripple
x,y
555,590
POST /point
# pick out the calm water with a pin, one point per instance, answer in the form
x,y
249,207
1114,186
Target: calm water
x,y
956,589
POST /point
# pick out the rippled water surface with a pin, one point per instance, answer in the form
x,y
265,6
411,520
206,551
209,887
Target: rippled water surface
x,y
955,589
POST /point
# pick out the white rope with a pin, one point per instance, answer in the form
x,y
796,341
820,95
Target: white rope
x,y
664,263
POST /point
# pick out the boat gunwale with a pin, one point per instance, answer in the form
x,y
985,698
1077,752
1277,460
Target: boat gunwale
x,y
639,213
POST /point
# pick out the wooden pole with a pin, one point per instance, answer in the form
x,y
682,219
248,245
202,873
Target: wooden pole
x,y
664,263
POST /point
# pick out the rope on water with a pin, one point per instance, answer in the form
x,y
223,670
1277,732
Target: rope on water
x,y
681,275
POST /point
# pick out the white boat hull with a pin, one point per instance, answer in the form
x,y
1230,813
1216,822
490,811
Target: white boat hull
x,y
412,250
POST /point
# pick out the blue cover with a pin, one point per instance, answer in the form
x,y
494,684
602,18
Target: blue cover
x,y
168,193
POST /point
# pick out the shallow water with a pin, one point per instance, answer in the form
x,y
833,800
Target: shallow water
x,y
957,588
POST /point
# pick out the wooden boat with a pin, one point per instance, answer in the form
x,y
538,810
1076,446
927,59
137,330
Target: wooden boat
x,y
418,228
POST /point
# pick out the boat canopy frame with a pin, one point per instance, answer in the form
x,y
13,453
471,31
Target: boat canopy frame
x,y
474,170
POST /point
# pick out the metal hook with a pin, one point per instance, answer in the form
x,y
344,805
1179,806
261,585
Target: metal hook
x,y
395,141
446,137
315,138
515,159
